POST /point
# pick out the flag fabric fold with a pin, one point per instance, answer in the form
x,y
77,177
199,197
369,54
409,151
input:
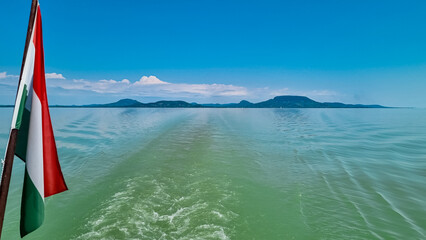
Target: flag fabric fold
x,y
35,143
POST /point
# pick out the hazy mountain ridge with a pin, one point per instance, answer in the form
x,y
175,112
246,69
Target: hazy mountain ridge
x,y
286,101
277,102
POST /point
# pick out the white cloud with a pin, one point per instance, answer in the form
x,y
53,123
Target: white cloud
x,y
8,80
153,87
207,89
54,76
101,86
48,75
312,93
4,75
151,80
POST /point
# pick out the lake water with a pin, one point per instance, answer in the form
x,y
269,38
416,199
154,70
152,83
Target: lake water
x,y
233,174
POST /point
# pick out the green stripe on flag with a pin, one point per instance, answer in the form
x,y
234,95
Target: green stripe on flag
x,y
22,140
21,107
32,207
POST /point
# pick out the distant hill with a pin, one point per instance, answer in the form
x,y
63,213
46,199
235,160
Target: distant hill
x,y
277,102
289,102
173,104
121,103
305,102
125,103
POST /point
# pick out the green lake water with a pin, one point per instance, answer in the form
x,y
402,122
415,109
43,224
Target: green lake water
x,y
233,174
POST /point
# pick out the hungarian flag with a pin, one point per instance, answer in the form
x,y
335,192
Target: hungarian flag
x,y
35,143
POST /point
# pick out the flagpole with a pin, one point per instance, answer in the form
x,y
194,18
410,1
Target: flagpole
x,y
10,151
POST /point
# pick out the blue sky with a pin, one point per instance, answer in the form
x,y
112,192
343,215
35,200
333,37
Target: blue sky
x,y
223,51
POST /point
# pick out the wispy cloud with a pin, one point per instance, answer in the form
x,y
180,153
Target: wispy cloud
x,y
5,75
8,82
309,93
152,86
54,76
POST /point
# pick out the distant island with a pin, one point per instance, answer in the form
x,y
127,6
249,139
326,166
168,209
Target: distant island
x,y
277,102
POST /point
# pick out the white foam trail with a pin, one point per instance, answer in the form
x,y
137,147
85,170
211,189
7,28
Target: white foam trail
x,y
368,224
402,214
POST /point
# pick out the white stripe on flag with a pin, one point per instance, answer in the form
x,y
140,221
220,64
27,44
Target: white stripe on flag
x,y
27,79
34,160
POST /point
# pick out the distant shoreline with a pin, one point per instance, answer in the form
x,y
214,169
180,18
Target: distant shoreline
x,y
277,102
55,106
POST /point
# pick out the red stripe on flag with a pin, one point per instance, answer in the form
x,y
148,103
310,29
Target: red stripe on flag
x,y
53,179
